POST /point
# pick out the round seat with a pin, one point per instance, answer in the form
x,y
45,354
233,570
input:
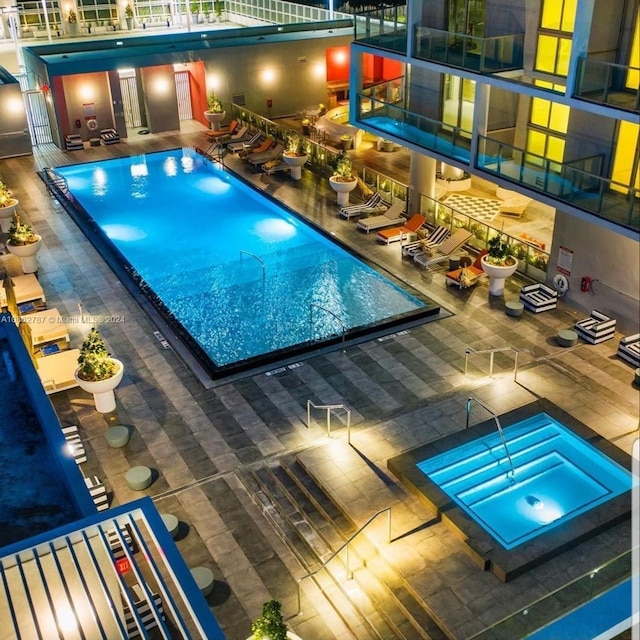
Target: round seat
x,y
138,478
514,308
204,579
171,522
117,436
567,338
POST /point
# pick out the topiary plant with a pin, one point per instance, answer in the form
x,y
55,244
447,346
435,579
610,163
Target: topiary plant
x,y
343,168
95,362
214,104
5,196
270,625
20,233
498,250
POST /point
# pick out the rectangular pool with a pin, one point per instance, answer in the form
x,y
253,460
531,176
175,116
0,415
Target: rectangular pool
x,y
242,279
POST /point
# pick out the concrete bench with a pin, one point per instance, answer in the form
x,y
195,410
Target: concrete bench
x,y
139,478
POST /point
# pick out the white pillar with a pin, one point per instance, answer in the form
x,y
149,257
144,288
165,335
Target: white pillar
x,y
422,179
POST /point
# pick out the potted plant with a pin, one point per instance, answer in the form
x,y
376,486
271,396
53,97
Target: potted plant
x,y
322,109
271,625
215,113
343,181
498,263
295,155
128,14
8,205
98,373
23,242
347,141
306,126
218,8
73,22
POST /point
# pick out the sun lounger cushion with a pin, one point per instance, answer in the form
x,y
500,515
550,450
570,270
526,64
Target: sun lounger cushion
x,y
392,216
73,142
56,371
444,250
597,328
407,230
98,493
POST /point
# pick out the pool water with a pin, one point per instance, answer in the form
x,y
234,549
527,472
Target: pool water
x,y
33,496
240,273
557,477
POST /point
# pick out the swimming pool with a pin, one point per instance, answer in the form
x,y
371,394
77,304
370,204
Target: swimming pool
x,y
557,476
568,484
37,479
243,279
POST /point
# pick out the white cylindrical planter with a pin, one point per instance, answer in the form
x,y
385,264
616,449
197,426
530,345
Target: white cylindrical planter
x,y
27,254
102,390
296,163
6,215
343,189
215,119
498,274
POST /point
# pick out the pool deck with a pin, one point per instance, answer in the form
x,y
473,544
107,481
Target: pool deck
x,y
403,391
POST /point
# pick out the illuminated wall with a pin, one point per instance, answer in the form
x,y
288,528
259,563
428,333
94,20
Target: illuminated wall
x,y
14,133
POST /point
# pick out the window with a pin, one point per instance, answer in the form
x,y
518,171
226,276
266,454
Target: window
x,y
554,40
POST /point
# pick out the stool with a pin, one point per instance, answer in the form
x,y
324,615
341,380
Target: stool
x,y
204,579
567,338
171,522
454,263
94,142
138,478
117,436
514,309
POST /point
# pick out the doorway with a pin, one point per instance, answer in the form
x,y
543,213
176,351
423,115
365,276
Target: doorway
x,y
37,117
130,102
183,94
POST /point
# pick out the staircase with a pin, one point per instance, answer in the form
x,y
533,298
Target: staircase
x,y
377,604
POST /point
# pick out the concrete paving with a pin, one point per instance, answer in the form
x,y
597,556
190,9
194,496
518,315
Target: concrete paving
x,y
403,391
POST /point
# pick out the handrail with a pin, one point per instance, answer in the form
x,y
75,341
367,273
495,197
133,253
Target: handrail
x,y
264,275
60,182
315,304
329,408
343,546
495,417
471,350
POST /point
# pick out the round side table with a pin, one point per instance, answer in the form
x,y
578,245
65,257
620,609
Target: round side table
x,y
514,309
117,436
171,522
138,478
567,338
204,579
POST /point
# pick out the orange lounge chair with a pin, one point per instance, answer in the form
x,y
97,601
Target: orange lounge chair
x,y
408,230
468,274
261,148
224,131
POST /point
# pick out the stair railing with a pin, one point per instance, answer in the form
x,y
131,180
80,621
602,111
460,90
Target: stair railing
x,y
318,306
329,408
470,351
251,255
345,545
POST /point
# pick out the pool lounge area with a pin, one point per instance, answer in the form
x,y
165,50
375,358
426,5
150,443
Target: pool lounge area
x,y
520,500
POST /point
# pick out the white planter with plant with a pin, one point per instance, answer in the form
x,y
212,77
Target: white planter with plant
x,y
295,155
271,625
215,114
98,373
343,182
498,264
23,242
7,207
128,16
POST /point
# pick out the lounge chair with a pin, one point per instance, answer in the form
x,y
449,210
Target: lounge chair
x,y
392,216
597,328
248,142
538,297
408,230
272,154
629,349
26,289
73,142
57,371
98,493
412,249
240,135
259,147
467,274
373,203
223,131
443,251
109,136
43,332
146,614
74,443
274,166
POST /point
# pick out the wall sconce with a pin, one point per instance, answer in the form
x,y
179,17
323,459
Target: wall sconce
x,y
268,76
161,86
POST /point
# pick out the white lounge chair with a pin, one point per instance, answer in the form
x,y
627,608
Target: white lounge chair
x,y
444,250
57,371
260,158
75,444
98,493
239,136
26,288
392,216
412,249
374,203
239,145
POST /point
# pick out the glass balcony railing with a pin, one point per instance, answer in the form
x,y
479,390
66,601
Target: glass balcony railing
x,y
391,120
385,28
610,84
484,55
577,184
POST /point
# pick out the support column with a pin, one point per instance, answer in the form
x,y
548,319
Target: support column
x,y
422,180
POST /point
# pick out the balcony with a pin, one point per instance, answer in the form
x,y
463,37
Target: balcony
x,y
483,55
575,183
609,84
412,129
383,28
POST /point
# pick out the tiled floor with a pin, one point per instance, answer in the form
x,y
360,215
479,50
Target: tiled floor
x,y
402,391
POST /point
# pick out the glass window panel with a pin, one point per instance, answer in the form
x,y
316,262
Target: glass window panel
x,y
564,54
536,142
546,54
540,112
568,15
551,15
633,75
555,149
626,154
559,120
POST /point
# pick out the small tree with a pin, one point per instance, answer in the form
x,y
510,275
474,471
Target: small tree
x,y
498,250
5,195
214,104
270,625
95,362
343,168
295,145
20,233
72,17
128,11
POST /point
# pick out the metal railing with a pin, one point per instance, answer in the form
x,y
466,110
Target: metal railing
x,y
498,425
329,408
342,324
345,545
57,184
251,255
471,351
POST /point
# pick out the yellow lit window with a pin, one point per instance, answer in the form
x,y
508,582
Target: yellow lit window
x,y
555,149
536,142
546,53
551,15
568,15
559,120
633,75
625,164
564,53
540,112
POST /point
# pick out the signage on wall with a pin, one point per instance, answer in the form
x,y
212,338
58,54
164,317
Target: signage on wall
x,y
89,110
565,261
